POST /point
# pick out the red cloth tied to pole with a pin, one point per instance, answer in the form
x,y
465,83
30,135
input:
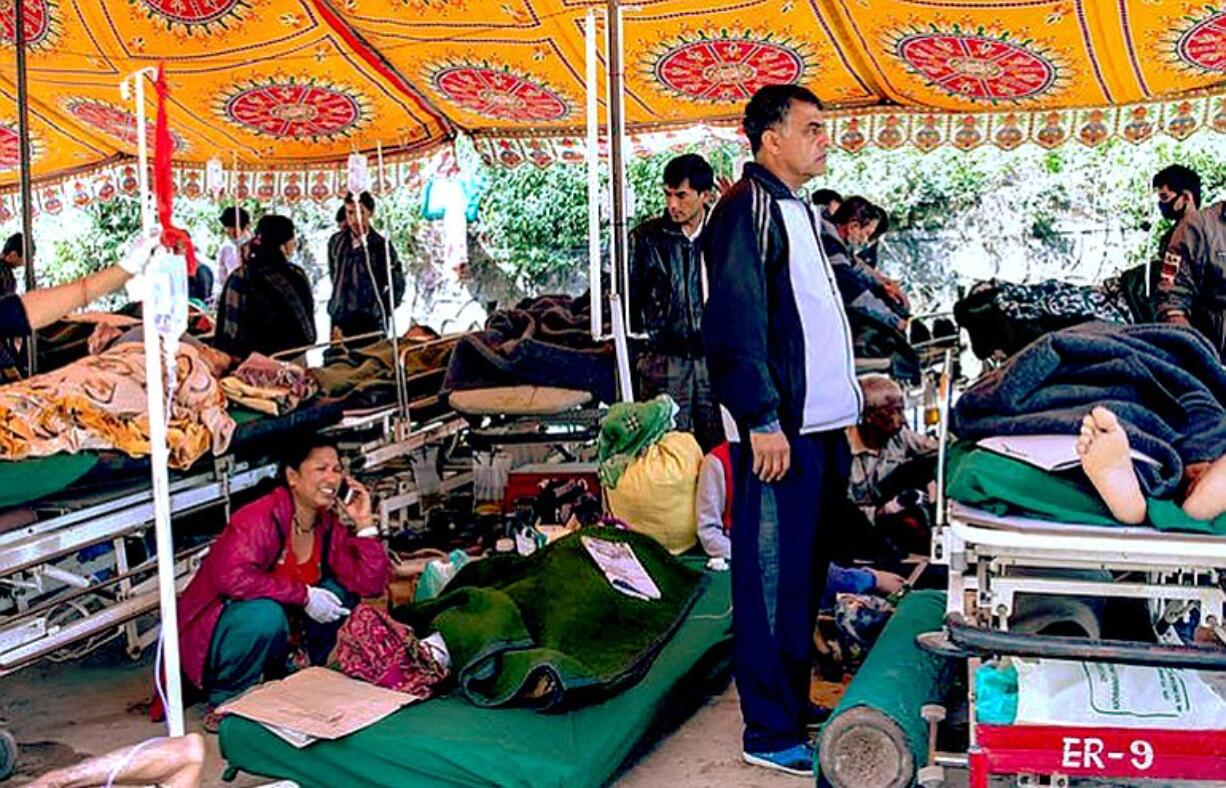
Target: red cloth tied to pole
x,y
163,183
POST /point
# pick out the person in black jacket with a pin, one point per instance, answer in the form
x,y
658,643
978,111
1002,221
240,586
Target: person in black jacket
x,y
666,299
779,351
363,297
266,306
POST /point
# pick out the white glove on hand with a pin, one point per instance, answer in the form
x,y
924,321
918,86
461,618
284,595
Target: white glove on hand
x,y
140,252
323,606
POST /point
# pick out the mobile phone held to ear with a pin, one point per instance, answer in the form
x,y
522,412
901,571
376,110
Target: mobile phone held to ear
x,y
345,493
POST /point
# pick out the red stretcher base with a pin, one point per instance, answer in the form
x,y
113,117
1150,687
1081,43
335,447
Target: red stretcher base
x,y
1139,753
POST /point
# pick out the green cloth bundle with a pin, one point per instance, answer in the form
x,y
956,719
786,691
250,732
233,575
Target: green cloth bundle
x,y
629,429
549,630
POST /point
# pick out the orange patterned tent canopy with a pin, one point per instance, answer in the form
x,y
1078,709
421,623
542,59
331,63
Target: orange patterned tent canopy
x,y
291,86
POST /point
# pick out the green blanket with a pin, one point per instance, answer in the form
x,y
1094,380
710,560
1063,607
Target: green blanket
x,y
1001,485
450,742
549,630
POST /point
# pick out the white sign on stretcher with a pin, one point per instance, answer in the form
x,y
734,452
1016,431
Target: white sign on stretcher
x,y
1057,692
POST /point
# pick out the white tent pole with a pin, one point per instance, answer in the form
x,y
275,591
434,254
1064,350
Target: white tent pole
x,y
402,393
593,178
158,450
617,182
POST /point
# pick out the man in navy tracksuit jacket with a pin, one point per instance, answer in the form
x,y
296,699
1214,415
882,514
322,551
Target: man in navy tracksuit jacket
x,y
779,351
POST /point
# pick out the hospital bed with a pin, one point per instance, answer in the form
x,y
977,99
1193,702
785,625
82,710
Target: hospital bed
x,y
75,568
996,558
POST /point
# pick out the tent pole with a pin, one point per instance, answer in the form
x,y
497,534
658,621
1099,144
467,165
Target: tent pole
x,y
23,133
595,287
402,391
159,452
617,180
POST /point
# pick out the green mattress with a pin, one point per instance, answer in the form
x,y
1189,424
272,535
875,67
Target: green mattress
x,y
29,480
448,741
1005,486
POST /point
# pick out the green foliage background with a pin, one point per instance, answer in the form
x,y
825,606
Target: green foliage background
x,y
1021,215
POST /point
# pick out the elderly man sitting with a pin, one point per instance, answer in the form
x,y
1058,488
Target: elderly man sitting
x,y
889,483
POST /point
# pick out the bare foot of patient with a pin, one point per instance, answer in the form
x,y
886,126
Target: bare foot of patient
x,y
1103,447
1207,497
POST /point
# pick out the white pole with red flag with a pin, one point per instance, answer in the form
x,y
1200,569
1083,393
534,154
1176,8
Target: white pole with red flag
x,y
164,312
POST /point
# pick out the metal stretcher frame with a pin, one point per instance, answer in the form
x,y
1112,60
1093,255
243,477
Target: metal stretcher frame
x,y
26,553
994,545
981,549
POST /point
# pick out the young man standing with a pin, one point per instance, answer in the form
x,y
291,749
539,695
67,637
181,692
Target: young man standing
x,y
1192,288
666,299
779,350
362,297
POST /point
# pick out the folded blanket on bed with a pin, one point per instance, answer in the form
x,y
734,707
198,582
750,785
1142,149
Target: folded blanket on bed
x,y
268,386
1165,383
549,630
367,371
542,342
1004,486
99,402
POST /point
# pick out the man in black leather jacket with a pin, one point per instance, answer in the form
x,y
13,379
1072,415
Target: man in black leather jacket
x,y
666,296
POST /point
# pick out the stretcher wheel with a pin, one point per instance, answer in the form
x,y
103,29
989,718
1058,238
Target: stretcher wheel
x,y
8,754
931,776
933,712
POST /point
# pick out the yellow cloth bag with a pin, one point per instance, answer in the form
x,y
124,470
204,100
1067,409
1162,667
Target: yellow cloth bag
x,y
656,494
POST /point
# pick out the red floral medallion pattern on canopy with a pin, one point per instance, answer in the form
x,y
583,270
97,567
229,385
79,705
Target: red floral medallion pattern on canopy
x,y
499,94
727,70
1204,44
10,155
977,67
10,148
38,21
294,110
118,123
191,12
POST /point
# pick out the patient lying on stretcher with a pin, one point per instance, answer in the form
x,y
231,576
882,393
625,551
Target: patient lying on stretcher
x,y
1104,451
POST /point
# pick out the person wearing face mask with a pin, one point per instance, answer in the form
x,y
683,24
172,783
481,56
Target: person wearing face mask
x,y
666,299
266,305
851,228
1192,287
278,582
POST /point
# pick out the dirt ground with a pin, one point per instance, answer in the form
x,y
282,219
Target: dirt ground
x,y
61,713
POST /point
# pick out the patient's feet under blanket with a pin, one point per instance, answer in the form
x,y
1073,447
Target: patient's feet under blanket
x,y
1164,383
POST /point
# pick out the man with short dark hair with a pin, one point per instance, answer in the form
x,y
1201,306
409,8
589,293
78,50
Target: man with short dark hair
x,y
11,261
235,223
827,201
779,351
362,296
666,299
1192,286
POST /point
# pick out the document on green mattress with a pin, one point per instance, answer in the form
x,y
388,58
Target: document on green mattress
x,y
1051,453
621,567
